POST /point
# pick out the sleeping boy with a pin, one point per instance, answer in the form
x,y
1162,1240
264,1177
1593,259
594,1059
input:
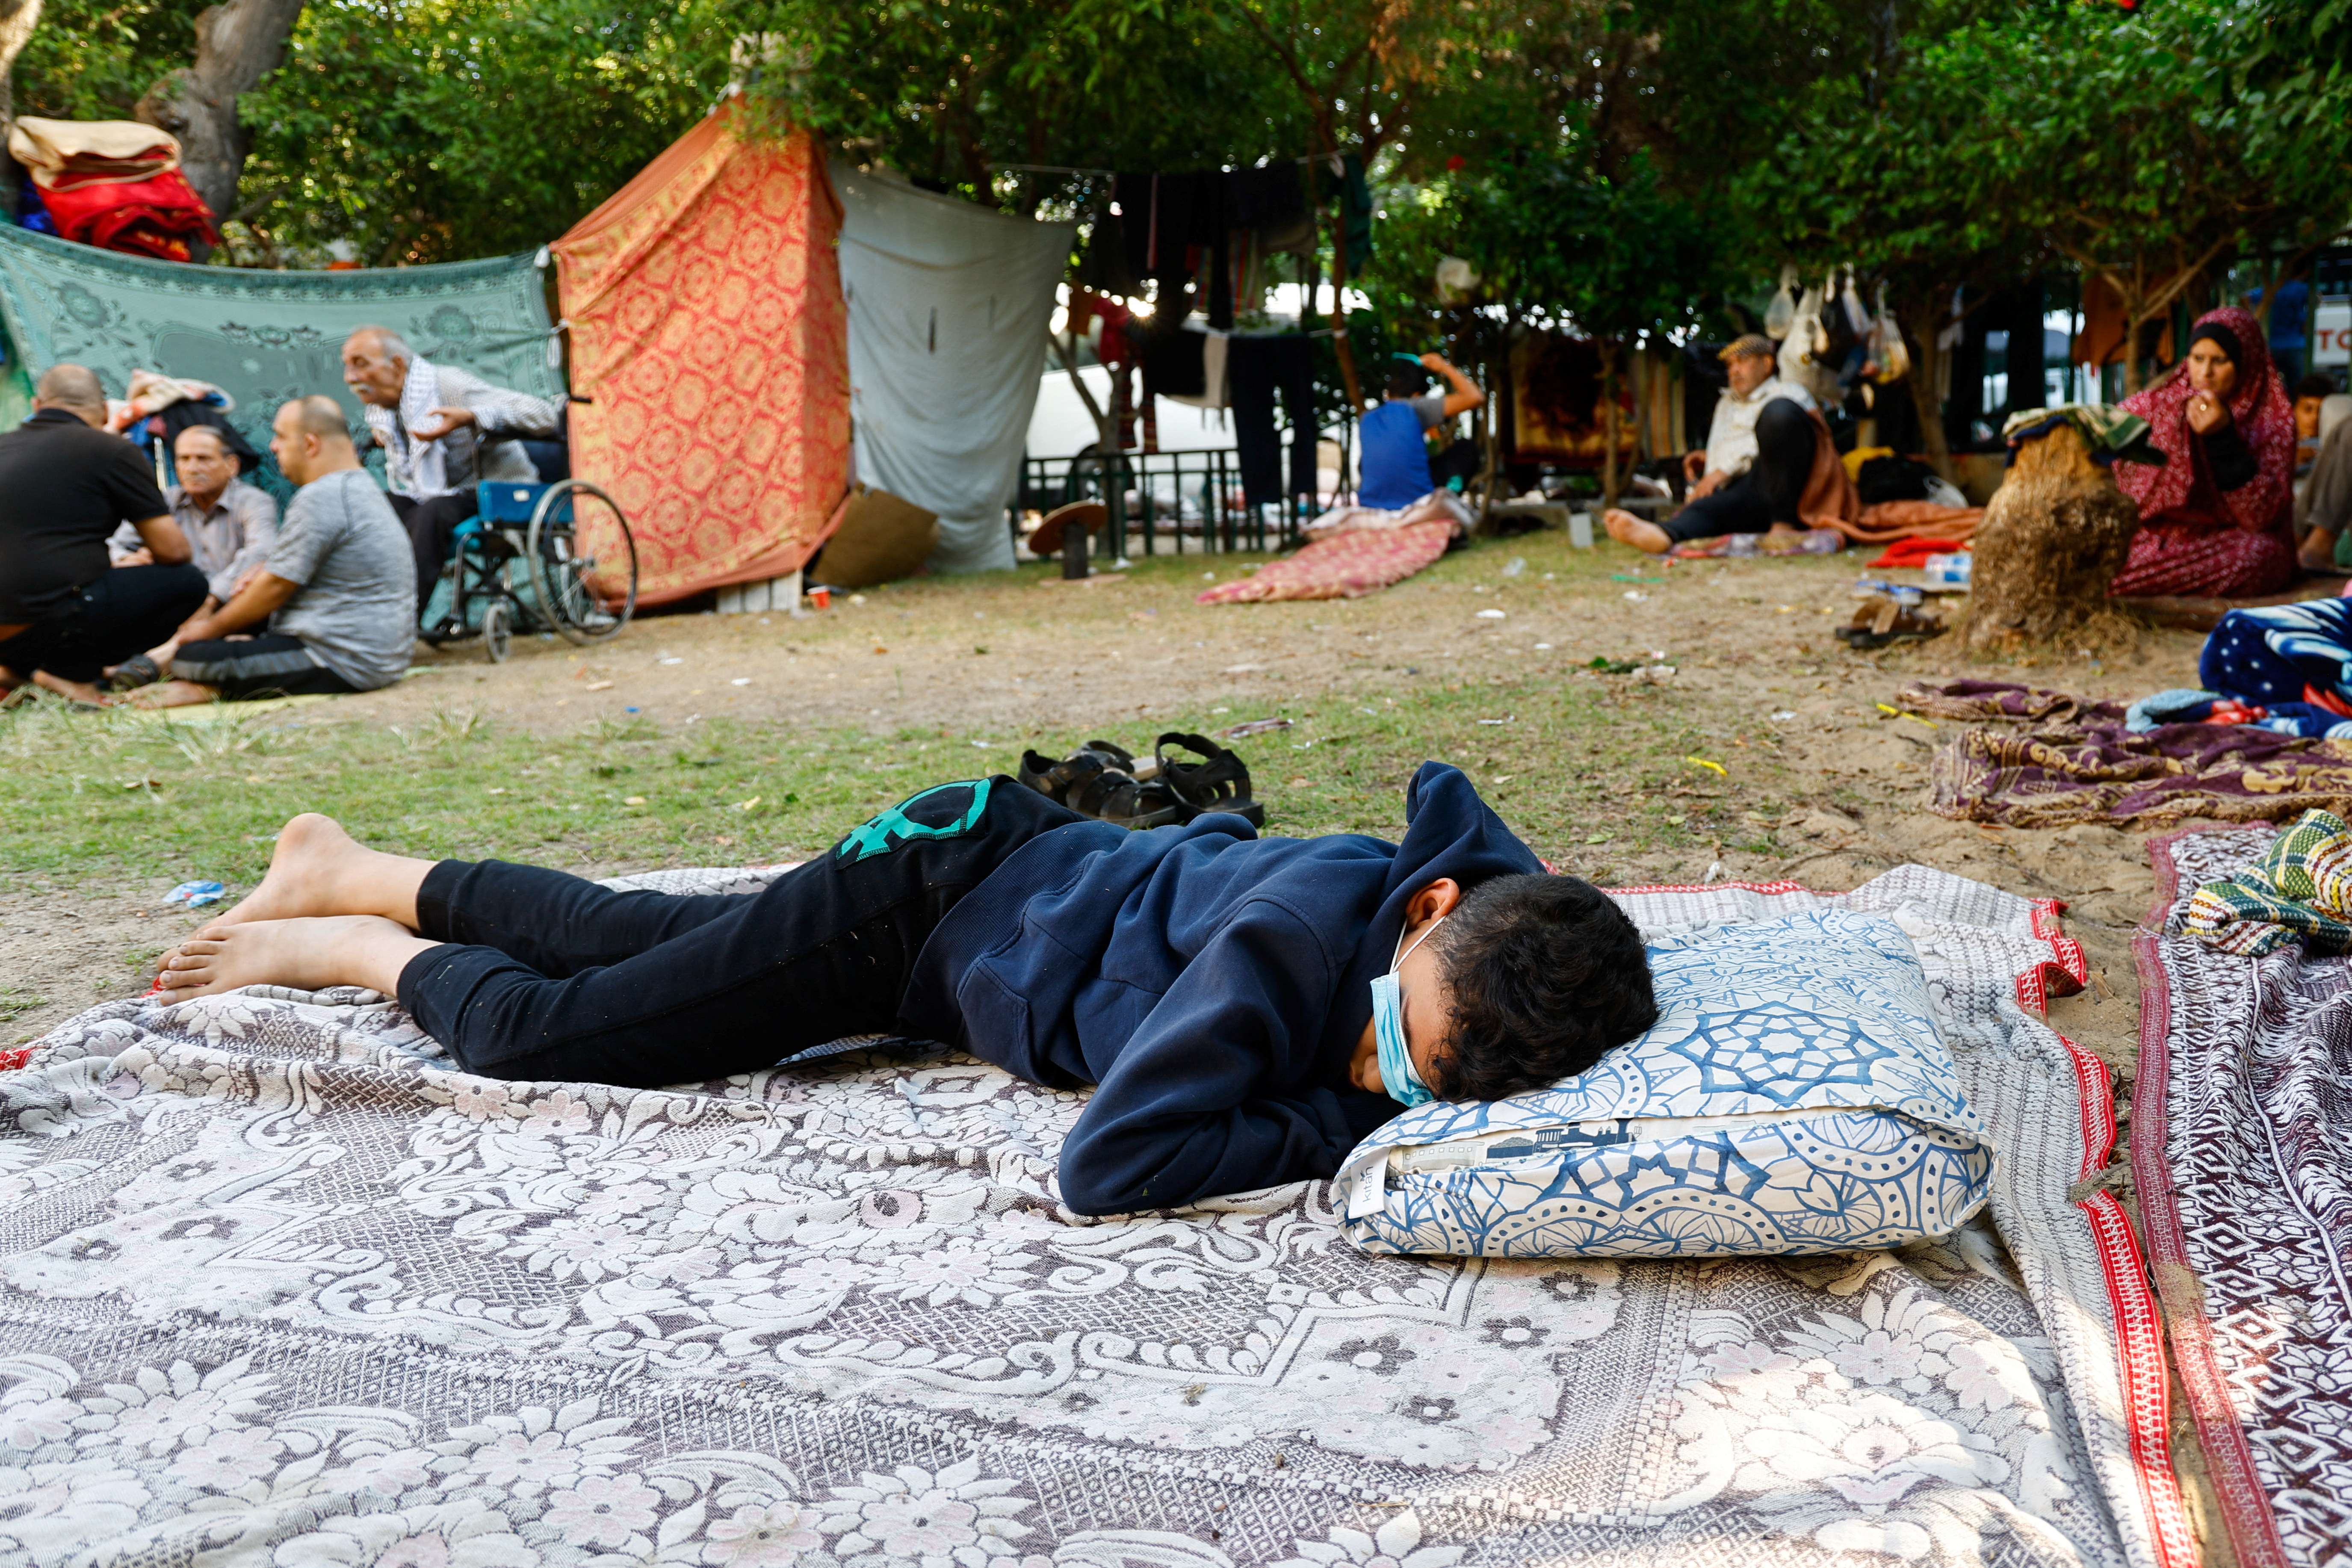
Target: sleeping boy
x,y
1246,1008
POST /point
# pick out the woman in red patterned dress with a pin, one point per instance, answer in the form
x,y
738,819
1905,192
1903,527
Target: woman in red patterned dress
x,y
2217,517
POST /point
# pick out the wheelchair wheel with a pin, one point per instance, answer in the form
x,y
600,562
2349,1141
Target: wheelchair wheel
x,y
583,562
497,630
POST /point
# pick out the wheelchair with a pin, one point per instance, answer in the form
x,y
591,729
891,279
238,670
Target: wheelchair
x,y
537,558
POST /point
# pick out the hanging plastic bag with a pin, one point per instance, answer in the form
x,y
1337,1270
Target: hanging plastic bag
x,y
1887,349
1858,318
1782,310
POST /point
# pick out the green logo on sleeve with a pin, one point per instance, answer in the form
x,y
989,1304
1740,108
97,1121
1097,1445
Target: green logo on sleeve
x,y
893,828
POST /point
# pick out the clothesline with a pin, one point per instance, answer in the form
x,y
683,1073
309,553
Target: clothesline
x,y
1334,159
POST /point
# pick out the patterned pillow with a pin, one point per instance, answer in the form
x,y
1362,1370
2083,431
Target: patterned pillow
x,y
1793,1097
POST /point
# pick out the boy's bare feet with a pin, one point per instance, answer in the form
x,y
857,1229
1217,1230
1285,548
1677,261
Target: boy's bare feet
x,y
72,690
1626,529
300,954
317,868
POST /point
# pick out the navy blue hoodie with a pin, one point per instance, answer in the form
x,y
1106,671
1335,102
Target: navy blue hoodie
x,y
1211,984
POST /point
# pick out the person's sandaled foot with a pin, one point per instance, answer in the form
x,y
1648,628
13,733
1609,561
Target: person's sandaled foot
x,y
313,870
1643,535
299,955
132,673
2319,563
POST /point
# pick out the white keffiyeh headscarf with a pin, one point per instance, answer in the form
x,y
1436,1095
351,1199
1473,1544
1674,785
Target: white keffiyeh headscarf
x,y
413,468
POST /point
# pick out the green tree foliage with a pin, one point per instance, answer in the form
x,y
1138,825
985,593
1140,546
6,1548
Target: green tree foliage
x,y
90,60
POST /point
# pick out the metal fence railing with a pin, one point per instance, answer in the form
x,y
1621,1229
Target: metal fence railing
x,y
1155,496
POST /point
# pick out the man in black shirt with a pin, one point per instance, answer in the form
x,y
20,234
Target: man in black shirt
x,y
66,615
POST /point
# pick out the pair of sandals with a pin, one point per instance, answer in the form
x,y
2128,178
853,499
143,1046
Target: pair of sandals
x,y
132,673
1105,782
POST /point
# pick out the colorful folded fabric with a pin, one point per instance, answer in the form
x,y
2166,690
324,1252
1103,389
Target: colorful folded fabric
x,y
2108,431
2301,888
63,154
159,217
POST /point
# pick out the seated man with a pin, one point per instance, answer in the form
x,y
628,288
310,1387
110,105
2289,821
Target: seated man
x,y
333,607
229,525
1752,471
1247,1008
65,485
2323,503
1395,447
443,431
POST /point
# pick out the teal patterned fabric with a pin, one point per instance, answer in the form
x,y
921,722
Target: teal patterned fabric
x,y
1794,1098
263,337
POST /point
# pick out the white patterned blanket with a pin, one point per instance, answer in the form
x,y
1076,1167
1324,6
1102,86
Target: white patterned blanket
x,y
277,1287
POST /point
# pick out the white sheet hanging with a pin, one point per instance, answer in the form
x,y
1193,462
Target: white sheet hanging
x,y
948,309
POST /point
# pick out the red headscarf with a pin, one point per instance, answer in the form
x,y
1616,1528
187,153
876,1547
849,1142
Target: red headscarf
x,y
2183,489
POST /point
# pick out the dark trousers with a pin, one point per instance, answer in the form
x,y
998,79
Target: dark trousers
x,y
1769,492
127,610
432,529
547,977
1255,369
270,664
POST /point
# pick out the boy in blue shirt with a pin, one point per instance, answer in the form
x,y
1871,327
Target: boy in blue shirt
x,y
1392,437
1246,1008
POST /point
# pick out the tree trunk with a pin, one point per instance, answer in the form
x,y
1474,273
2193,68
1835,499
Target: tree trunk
x,y
1340,345
17,20
1926,356
238,44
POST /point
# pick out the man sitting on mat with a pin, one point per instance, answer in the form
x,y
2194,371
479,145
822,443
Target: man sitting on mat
x,y
65,483
1752,471
443,430
1246,1008
334,606
229,525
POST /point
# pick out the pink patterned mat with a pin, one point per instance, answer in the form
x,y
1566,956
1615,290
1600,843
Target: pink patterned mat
x,y
1346,566
2244,1176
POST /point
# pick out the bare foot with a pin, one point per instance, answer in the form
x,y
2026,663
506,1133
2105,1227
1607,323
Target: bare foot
x,y
300,954
1626,529
317,868
74,690
173,694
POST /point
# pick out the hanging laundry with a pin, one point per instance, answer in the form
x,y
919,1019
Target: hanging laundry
x,y
1355,198
1267,198
1173,365
1257,367
1214,346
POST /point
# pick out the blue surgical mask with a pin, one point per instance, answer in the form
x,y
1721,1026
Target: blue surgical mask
x,y
1398,1075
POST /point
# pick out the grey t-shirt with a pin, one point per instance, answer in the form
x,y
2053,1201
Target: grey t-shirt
x,y
1431,409
356,607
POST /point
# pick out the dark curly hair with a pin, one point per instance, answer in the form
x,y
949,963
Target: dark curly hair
x,y
1406,380
1547,977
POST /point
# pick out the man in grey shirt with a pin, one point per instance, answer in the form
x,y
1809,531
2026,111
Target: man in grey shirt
x,y
337,593
230,524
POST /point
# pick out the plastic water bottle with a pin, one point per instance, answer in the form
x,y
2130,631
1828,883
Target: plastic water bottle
x,y
1949,571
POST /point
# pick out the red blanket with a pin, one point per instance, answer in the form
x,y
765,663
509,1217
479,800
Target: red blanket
x,y
1344,567
158,216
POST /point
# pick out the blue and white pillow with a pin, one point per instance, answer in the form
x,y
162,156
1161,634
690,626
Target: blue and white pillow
x,y
1793,1097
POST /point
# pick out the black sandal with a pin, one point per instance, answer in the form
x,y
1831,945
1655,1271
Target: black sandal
x,y
134,672
1219,784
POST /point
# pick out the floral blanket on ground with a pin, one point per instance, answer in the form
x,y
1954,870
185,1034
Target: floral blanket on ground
x,y
1345,566
279,1283
2242,1170
2077,761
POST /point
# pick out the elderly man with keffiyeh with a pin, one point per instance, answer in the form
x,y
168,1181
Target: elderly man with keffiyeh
x,y
443,430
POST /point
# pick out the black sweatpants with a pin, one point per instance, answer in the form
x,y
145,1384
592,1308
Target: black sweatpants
x,y
124,610
269,664
432,529
544,976
1769,492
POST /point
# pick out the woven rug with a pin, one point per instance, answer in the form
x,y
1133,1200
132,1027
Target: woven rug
x,y
2072,762
1345,566
277,1286
2245,1186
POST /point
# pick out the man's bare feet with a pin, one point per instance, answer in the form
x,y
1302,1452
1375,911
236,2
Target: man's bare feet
x,y
316,869
72,690
173,694
1626,529
300,954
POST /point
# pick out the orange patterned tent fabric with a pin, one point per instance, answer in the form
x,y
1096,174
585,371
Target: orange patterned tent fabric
x,y
709,332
